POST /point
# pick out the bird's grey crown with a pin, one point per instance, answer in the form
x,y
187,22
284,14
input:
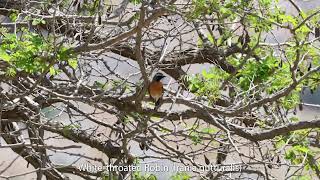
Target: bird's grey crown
x,y
158,76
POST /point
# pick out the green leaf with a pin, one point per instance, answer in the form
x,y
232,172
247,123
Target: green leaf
x,y
52,71
4,55
280,143
11,72
136,1
138,176
37,21
265,2
210,38
13,16
73,63
289,19
195,137
209,130
181,176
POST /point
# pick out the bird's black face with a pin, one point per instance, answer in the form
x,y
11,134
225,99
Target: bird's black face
x,y
158,77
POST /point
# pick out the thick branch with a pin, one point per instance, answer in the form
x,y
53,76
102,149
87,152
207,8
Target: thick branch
x,y
277,131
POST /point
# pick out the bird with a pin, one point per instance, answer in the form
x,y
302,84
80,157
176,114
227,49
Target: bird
x,y
112,151
156,88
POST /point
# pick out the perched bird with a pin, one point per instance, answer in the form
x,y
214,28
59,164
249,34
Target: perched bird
x,y
112,151
222,153
156,88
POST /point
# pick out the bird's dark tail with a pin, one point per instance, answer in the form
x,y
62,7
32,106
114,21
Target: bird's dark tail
x,y
156,105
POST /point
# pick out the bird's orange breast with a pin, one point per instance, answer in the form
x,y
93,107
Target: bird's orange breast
x,y
155,90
